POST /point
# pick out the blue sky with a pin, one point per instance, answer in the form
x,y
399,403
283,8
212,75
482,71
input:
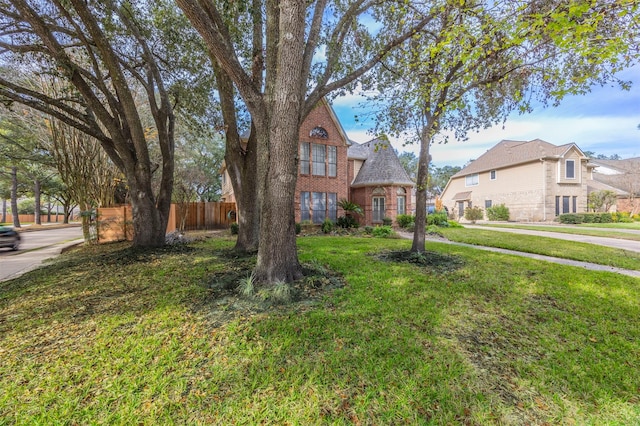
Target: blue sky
x,y
604,121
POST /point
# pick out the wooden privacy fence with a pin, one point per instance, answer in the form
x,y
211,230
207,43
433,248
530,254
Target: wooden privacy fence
x,y
116,223
211,215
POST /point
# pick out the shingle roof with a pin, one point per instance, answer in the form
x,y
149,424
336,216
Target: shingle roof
x,y
631,165
594,185
509,153
381,166
628,178
462,196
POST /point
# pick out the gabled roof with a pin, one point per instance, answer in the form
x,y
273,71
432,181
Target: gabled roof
x,y
509,153
381,166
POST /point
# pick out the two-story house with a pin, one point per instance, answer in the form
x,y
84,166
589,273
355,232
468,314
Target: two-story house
x,y
536,180
332,168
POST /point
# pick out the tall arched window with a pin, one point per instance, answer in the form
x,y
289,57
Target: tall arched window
x,y
401,201
377,203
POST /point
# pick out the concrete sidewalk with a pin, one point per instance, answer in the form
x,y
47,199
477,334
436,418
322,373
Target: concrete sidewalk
x,y
602,241
13,266
558,260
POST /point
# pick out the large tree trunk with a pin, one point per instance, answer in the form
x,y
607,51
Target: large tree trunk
x,y
246,189
149,220
277,254
14,196
241,161
418,245
38,210
4,210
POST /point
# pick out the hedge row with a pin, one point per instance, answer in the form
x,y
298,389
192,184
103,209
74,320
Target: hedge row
x,y
585,218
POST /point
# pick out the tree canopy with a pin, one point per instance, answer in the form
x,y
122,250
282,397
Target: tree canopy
x,y
476,62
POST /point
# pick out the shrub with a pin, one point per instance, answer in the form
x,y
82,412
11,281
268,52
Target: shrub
x,y
234,228
368,229
605,217
382,231
298,228
327,226
570,218
621,217
473,214
349,207
437,219
386,221
347,222
405,220
499,212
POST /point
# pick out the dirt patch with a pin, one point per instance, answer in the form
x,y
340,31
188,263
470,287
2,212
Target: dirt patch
x,y
229,297
430,260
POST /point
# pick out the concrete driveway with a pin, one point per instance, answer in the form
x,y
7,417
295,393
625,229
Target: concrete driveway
x,y
35,248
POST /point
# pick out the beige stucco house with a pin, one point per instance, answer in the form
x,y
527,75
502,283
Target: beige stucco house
x,y
536,180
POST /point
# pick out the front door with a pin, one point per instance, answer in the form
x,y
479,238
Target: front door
x,y
460,209
378,209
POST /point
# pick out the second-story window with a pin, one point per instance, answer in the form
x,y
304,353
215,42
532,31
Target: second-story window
x,y
304,158
471,180
333,160
318,159
570,169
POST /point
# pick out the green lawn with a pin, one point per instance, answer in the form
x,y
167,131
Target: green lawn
x,y
632,225
110,335
546,246
576,230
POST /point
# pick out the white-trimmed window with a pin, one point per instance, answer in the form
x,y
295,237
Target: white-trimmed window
x,y
492,175
305,208
471,180
304,158
318,159
332,155
570,169
317,206
378,204
402,201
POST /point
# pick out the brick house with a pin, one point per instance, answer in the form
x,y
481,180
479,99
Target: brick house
x,y
332,168
379,183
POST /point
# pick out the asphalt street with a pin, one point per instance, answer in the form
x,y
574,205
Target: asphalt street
x,y
35,248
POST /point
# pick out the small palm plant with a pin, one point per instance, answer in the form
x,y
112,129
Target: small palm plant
x,y
349,207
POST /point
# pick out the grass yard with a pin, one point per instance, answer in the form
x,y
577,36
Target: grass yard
x,y
548,246
111,335
631,225
576,230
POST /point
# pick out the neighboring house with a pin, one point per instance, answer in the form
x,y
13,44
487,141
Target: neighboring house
x,y
621,177
332,168
536,180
